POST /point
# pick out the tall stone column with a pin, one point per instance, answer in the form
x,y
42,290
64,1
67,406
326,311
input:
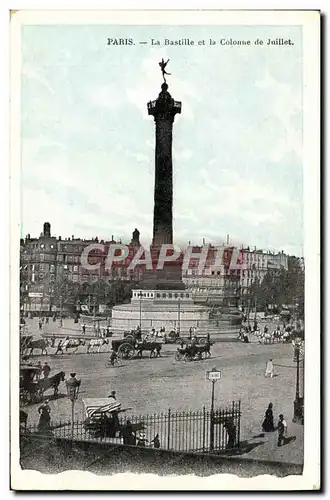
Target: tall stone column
x,y
163,110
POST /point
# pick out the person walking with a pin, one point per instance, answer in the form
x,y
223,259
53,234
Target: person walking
x,y
44,419
269,369
59,347
128,434
268,423
282,429
83,328
113,395
46,369
40,324
266,329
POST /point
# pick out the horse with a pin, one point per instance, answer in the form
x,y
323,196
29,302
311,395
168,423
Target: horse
x,y
73,344
41,344
96,343
266,338
153,347
51,382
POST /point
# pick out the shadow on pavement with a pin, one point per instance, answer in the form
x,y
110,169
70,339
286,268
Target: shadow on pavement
x,y
289,440
245,447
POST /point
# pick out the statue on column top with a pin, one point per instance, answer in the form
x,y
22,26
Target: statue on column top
x,y
163,65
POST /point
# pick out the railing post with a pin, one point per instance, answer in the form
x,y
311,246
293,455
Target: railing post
x,y
204,428
168,428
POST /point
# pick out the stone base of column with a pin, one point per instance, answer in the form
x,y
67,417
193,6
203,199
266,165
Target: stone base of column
x,y
169,278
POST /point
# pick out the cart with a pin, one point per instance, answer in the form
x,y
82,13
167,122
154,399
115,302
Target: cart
x,y
102,418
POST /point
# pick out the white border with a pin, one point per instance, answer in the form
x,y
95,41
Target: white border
x,y
309,20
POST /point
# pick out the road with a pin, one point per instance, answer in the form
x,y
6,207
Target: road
x,y
154,385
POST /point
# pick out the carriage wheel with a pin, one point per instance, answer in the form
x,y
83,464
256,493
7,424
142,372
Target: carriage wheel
x,y
126,351
187,358
202,341
129,338
178,341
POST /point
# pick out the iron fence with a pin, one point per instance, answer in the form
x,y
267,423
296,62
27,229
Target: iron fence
x,y
187,431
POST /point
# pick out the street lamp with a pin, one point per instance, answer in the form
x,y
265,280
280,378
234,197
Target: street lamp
x,y
298,404
179,311
212,375
140,295
72,387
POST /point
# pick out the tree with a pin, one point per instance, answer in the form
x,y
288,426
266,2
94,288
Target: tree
x,y
281,287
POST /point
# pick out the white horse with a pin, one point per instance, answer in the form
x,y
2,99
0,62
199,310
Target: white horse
x,y
266,338
73,344
96,343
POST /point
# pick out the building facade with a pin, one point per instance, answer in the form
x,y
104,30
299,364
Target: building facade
x,y
49,261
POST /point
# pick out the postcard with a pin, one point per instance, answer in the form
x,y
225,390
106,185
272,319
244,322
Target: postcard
x,y
165,250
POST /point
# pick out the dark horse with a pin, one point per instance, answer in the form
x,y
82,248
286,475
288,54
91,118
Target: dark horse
x,y
51,382
153,347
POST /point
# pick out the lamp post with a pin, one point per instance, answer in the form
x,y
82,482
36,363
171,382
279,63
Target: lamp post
x,y
212,375
61,311
72,387
140,295
298,411
94,311
179,312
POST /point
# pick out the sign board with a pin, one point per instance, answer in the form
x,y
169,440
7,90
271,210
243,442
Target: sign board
x,y
213,375
36,295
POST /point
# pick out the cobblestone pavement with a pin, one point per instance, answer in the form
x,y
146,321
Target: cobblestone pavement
x,y
153,385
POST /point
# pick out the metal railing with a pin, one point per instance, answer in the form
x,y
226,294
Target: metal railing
x,y
186,431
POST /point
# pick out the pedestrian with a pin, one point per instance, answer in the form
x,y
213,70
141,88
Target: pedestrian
x,y
44,419
47,320
156,441
255,325
46,369
268,423
282,429
112,395
59,347
142,439
266,329
112,357
128,434
83,328
39,372
231,432
190,333
40,324
54,318
269,369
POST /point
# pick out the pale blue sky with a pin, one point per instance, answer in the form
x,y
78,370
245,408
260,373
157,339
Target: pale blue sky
x,y
88,143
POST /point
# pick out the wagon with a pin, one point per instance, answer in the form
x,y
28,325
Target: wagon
x,y
29,388
125,348
102,418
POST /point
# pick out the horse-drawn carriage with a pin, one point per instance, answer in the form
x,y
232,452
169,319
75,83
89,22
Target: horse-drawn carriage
x,y
28,384
102,419
193,351
128,347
